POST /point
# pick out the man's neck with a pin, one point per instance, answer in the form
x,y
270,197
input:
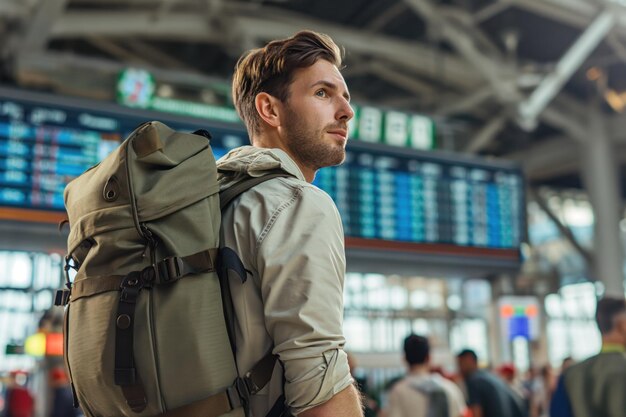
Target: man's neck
x,y
268,142
420,368
613,343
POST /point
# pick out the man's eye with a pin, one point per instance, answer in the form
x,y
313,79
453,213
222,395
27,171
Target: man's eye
x,y
320,93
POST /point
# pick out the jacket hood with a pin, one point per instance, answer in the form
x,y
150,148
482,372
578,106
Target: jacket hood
x,y
250,161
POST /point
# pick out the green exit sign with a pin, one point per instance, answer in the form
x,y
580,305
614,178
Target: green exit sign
x,y
13,349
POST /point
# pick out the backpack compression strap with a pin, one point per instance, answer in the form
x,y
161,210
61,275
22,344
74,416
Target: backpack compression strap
x,y
236,395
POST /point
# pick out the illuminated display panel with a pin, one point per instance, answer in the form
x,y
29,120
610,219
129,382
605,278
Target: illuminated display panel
x,y
387,196
424,197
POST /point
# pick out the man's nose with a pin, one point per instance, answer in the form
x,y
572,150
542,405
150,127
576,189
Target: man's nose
x,y
345,111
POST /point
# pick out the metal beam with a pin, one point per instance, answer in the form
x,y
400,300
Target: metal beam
x,y
465,103
564,229
411,84
491,10
13,9
489,69
385,17
75,65
40,24
193,27
158,57
567,65
486,134
576,13
117,51
573,127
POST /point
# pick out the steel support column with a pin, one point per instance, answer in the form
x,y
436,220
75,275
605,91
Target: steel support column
x,y
602,183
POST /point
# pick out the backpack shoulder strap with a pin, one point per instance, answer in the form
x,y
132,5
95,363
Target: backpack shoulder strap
x,y
228,195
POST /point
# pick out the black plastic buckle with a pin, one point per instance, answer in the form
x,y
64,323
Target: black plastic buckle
x,y
131,285
170,269
247,384
61,297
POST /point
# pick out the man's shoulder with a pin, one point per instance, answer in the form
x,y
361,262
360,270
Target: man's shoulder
x,y
281,190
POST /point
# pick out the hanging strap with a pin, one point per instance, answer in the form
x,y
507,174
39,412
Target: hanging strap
x,y
125,373
229,194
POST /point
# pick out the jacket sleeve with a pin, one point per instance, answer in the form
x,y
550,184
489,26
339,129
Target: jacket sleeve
x,y
301,262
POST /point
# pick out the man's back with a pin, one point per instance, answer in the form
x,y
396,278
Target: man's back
x,y
491,393
288,235
597,386
411,396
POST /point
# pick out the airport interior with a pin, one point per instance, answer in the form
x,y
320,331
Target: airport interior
x,y
482,194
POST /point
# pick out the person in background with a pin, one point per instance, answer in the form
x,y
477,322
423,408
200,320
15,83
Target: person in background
x,y
596,387
508,373
567,362
423,393
488,395
542,390
19,402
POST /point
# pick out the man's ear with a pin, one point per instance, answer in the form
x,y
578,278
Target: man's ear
x,y
268,108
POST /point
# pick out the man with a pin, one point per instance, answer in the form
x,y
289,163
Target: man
x,y
488,395
597,386
422,393
287,232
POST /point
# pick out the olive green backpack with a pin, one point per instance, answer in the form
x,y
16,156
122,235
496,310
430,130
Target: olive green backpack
x,y
148,320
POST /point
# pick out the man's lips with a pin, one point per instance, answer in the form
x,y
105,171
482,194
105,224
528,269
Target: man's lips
x,y
340,132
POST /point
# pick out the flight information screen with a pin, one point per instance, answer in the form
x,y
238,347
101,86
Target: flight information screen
x,y
414,196
383,193
44,146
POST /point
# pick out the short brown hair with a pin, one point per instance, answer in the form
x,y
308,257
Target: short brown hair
x,y
607,311
270,69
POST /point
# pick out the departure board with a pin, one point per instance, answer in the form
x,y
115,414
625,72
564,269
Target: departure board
x,y
384,193
44,146
414,196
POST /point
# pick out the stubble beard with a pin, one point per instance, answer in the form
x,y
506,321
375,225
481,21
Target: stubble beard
x,y
308,146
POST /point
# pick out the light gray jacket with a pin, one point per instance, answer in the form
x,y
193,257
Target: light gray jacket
x,y
289,236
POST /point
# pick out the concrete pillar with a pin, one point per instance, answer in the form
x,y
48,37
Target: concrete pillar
x,y
601,179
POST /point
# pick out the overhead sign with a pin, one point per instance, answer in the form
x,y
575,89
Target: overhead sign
x,y
519,317
136,88
374,125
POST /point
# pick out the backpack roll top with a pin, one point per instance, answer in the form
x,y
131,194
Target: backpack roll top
x,y
146,332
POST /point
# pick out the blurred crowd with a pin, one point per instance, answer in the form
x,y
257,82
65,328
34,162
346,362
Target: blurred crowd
x,y
529,392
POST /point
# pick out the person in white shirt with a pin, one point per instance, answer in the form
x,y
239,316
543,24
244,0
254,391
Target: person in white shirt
x,y
422,393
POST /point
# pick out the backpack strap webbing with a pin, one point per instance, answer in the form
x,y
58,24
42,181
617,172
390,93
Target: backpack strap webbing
x,y
165,271
236,395
229,194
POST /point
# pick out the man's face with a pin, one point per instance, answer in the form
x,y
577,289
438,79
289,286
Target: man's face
x,y
314,122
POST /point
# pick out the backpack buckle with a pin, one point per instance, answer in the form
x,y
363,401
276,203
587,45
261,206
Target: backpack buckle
x,y
169,269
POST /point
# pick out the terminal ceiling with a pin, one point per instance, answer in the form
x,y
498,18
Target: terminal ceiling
x,y
517,79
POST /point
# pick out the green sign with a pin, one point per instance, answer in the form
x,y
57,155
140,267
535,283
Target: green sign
x,y
14,349
136,87
371,124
